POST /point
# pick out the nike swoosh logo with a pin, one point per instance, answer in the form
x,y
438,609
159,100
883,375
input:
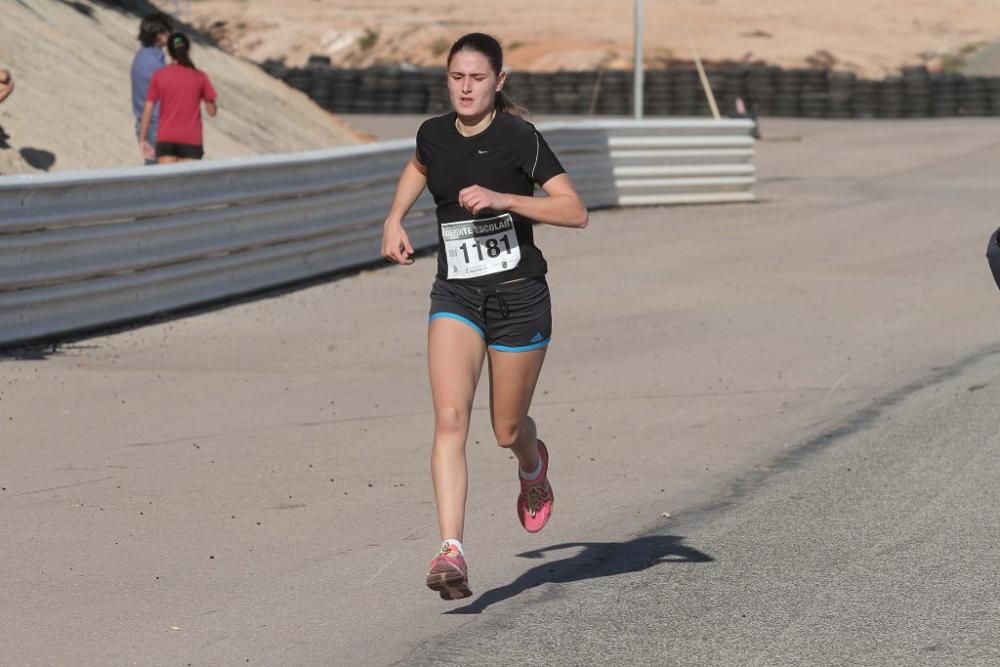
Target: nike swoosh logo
x,y
482,152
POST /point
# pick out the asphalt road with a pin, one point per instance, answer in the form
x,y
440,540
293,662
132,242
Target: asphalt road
x,y
251,483
874,543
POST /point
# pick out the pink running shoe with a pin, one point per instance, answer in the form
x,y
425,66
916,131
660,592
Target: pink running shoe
x,y
449,575
534,504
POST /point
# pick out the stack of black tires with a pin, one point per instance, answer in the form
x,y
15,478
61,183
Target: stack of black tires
x,y
917,93
674,91
683,90
613,91
839,93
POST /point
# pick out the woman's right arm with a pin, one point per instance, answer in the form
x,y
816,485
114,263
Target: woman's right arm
x,y
396,245
210,96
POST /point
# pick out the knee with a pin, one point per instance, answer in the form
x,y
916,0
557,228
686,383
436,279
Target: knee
x,y
450,419
507,433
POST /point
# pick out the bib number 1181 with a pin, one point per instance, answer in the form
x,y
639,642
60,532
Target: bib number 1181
x,y
493,249
480,247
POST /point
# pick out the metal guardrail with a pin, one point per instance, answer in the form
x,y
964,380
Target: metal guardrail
x,y
91,249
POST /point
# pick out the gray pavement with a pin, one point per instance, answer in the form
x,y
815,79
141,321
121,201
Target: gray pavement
x,y
874,543
251,483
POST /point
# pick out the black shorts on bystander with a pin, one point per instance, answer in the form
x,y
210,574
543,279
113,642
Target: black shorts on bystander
x,y
185,151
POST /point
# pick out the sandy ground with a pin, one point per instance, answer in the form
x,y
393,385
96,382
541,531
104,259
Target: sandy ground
x,y
871,38
251,484
72,105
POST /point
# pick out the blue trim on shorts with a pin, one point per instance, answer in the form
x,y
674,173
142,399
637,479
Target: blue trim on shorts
x,y
522,348
466,320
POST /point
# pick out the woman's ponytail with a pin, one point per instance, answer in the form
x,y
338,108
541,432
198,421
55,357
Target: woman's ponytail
x,y
505,104
179,47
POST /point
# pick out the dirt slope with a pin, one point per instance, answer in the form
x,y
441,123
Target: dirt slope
x,y
71,107
870,38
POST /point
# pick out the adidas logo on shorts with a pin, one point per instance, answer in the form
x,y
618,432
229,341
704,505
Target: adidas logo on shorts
x,y
537,338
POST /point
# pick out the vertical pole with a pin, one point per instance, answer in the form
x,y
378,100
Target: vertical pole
x,y
705,85
637,60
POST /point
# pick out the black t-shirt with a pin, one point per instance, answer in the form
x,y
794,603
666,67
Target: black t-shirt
x,y
509,156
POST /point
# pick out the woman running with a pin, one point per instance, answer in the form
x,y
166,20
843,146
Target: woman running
x,y
179,88
490,299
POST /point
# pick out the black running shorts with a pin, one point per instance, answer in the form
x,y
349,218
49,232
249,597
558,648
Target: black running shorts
x,y
172,149
511,317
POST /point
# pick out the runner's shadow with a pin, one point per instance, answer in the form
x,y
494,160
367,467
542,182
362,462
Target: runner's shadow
x,y
597,559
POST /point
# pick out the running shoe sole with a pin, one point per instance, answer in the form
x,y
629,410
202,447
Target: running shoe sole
x,y
449,582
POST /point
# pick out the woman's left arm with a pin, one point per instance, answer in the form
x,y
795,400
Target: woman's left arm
x,y
147,149
562,207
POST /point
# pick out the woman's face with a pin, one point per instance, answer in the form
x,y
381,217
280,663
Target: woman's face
x,y
472,85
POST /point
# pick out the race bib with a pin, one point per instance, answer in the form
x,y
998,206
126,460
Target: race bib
x,y
480,247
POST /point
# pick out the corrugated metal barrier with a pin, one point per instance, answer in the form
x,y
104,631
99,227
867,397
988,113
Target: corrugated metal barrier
x,y
90,249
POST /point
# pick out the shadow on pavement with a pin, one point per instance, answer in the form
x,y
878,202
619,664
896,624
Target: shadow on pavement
x,y
82,8
38,158
40,352
598,559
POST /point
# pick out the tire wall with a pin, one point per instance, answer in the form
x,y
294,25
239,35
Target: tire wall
x,y
766,91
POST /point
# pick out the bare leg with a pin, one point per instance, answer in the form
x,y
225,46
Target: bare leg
x,y
455,357
513,376
166,159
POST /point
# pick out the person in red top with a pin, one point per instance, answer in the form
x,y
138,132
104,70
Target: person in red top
x,y
179,88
